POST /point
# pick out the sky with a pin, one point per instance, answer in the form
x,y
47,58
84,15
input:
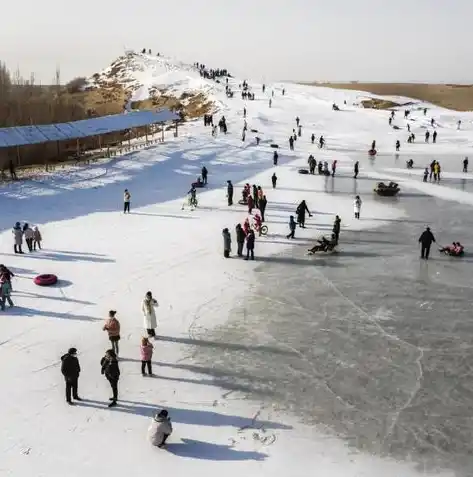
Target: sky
x,y
300,40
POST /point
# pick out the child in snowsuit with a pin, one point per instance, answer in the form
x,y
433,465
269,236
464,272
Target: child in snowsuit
x,y
37,238
292,227
146,353
5,291
112,327
227,242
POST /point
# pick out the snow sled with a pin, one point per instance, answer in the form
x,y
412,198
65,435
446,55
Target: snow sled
x,y
243,202
198,185
274,146
372,152
303,171
389,190
45,280
254,130
452,253
321,250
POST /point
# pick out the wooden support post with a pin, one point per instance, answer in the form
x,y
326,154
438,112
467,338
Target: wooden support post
x,y
146,134
162,132
78,148
175,134
100,142
58,149
18,155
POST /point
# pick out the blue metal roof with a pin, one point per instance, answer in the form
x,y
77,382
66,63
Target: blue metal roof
x,y
24,135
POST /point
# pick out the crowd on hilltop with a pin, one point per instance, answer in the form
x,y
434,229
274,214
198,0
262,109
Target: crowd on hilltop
x,y
210,73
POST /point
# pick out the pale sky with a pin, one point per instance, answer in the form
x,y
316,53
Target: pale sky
x,y
306,40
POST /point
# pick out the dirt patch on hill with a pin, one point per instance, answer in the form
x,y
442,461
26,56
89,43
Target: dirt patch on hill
x,y
451,96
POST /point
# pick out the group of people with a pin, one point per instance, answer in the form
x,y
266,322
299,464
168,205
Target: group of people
x,y
70,368
432,172
32,237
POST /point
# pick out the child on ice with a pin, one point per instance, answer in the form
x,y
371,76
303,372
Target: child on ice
x,y
146,352
292,227
37,238
160,429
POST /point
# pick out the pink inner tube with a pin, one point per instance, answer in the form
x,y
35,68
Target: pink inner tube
x,y
45,280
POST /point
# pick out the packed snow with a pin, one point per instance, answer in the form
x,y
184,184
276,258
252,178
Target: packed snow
x,y
107,260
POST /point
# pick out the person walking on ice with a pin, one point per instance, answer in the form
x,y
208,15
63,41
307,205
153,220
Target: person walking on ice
x,y
292,228
146,354
149,314
126,201
357,206
110,369
112,327
426,239
274,180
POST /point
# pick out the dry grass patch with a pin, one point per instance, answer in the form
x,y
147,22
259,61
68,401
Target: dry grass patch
x,y
451,96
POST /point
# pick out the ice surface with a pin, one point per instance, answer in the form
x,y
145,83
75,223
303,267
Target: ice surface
x,y
371,343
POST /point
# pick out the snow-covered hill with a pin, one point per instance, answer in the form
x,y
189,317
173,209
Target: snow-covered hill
x,y
230,420
144,76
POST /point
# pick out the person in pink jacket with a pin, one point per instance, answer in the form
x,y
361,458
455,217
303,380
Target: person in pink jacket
x,y
112,327
146,350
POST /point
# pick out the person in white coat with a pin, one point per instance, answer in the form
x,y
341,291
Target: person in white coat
x,y
160,429
357,206
149,314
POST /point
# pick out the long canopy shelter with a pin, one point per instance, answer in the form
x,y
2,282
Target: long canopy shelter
x,y
29,135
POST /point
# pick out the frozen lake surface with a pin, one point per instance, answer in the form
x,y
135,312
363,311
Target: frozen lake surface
x,y
371,344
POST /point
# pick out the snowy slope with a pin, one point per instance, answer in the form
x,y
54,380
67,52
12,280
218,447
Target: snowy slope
x,y
106,260
144,75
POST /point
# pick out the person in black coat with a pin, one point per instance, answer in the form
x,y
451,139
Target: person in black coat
x,y
204,175
240,239
111,371
356,169
70,369
250,245
336,229
426,240
300,212
274,180
230,192
263,202
275,158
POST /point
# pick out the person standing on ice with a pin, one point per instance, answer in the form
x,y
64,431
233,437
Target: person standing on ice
x,y
434,137
292,228
240,239
274,180
251,204
250,245
312,138
300,212
149,314
18,238
398,145
37,238
459,124
426,239
270,102
110,369
426,174
244,112
275,158
230,192
298,120
291,143
321,142
204,174
262,203
357,206
29,236
334,167
146,355
227,242
465,164
112,327
299,131
356,169
70,369
283,91
427,136
312,164
160,429
5,288
126,201
336,228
